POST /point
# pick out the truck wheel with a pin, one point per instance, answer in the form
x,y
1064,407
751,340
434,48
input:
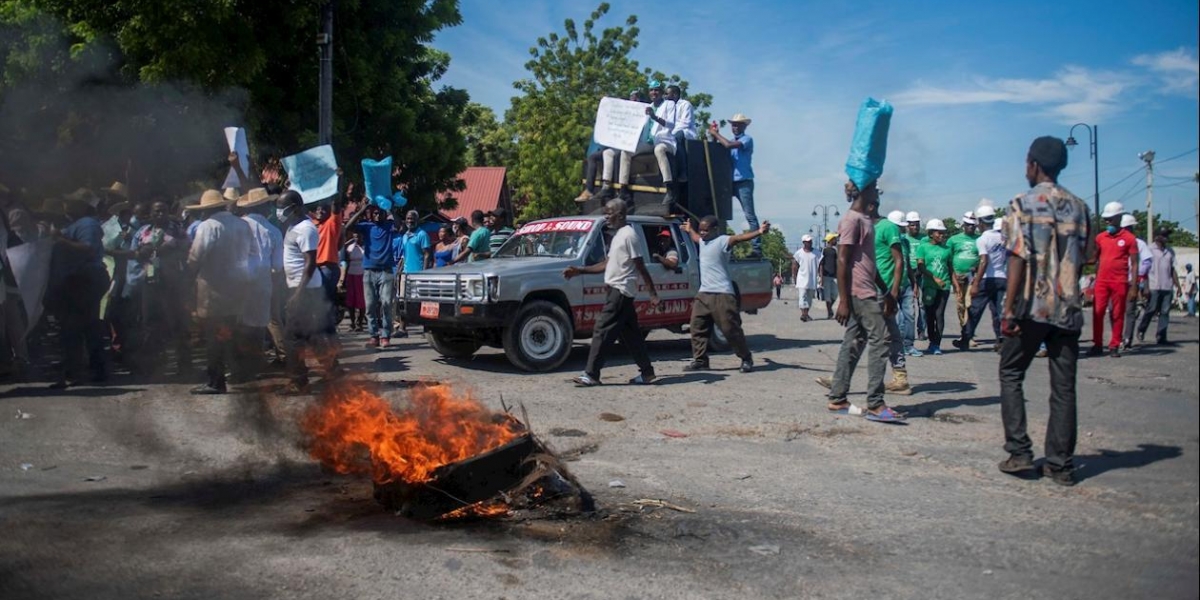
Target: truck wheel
x,y
452,347
540,337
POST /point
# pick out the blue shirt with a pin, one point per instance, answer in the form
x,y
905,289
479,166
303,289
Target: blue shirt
x,y
376,238
414,246
714,266
88,231
741,158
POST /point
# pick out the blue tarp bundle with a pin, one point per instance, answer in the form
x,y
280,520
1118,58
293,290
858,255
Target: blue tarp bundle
x,y
868,149
377,179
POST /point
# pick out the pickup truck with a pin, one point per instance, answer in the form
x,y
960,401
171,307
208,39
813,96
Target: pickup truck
x,y
519,300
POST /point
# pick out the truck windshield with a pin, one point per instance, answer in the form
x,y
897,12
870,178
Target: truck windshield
x,y
558,239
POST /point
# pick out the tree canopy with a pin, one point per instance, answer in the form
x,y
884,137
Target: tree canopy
x,y
553,118
132,84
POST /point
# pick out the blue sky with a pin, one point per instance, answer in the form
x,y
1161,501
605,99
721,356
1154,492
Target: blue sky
x,y
972,85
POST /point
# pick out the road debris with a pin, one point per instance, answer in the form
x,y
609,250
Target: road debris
x,y
23,415
611,417
26,466
616,483
765,549
95,478
652,503
673,433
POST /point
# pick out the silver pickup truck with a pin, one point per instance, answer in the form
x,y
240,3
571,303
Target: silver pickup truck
x,y
519,300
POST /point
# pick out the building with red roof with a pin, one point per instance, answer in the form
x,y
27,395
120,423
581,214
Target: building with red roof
x,y
486,189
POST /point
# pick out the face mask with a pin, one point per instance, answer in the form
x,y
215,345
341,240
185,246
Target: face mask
x,y
1112,230
281,214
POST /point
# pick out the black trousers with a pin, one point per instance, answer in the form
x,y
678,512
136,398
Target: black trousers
x,y
306,323
594,161
220,334
1016,354
618,319
935,316
1158,306
76,305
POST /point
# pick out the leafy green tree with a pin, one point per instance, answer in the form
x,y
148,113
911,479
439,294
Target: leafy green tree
x,y
168,74
489,142
553,118
1179,237
774,249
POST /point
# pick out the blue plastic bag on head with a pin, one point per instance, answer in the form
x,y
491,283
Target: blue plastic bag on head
x,y
377,179
868,149
383,202
398,200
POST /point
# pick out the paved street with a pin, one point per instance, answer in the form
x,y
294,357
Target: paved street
x,y
214,498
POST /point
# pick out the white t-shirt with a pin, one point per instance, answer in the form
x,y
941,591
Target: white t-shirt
x,y
302,237
354,258
684,119
991,245
620,273
807,273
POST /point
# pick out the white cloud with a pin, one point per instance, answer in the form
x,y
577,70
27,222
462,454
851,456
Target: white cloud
x,y
1178,70
1073,94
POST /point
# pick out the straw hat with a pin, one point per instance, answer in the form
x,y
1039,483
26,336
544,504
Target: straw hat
x,y
210,199
117,189
739,118
256,197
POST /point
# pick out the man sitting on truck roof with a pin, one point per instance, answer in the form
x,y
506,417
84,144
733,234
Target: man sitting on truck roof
x,y
660,140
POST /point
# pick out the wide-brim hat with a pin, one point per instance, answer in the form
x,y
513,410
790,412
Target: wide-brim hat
x,y
210,199
256,197
117,191
739,118
230,194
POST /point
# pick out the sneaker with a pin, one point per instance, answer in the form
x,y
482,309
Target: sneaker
x,y
1063,477
696,365
207,390
385,342
1016,464
642,379
1114,352
913,352
1042,353
900,388
961,344
585,380
373,342
747,366
935,350
1096,351
825,382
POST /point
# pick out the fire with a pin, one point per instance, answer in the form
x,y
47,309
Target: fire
x,y
354,431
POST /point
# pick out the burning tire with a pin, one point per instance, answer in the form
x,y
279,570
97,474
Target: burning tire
x,y
540,337
452,347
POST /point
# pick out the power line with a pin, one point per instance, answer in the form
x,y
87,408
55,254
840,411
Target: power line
x,y
1176,156
1123,179
1137,186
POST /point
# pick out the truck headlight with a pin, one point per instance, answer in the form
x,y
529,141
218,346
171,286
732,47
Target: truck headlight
x,y
475,289
493,287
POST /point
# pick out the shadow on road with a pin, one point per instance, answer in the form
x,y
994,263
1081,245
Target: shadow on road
x,y
943,387
1091,465
78,392
928,409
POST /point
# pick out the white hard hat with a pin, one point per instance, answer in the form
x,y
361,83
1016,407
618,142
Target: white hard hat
x,y
806,238
1112,209
897,217
968,218
913,217
1128,220
935,225
986,213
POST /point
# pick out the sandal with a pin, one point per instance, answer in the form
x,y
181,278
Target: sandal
x,y
585,380
887,415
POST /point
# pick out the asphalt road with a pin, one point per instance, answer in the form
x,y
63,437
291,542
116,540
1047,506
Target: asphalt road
x,y
137,490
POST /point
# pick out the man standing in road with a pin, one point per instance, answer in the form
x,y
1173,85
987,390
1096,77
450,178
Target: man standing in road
x,y
741,151
379,258
618,319
416,255
307,311
914,237
990,280
220,256
891,260
935,264
1163,283
1047,239
1116,280
716,299
1136,301
1189,290
965,260
828,268
806,274
859,308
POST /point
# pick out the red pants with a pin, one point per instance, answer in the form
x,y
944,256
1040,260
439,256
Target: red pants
x,y
1109,295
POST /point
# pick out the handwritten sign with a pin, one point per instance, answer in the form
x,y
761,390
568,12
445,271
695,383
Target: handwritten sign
x,y
550,226
236,138
619,123
313,173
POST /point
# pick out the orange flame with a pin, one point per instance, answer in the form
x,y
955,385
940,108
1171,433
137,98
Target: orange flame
x,y
355,431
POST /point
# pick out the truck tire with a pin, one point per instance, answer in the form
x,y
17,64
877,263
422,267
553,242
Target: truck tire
x,y
540,337
452,347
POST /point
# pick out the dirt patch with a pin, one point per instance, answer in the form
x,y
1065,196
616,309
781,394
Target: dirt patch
x,y
817,431
955,418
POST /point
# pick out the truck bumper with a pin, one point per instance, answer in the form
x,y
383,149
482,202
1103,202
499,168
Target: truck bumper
x,y
465,316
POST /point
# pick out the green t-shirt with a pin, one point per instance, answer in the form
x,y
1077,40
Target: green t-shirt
x,y
914,242
966,254
479,243
937,262
887,234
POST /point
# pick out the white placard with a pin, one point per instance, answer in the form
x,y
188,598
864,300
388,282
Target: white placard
x,y
313,173
236,138
619,123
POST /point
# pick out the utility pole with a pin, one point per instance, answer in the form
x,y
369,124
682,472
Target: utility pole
x,y
1148,157
325,100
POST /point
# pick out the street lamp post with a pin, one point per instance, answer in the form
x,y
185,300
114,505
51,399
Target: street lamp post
x,y
1093,134
825,208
